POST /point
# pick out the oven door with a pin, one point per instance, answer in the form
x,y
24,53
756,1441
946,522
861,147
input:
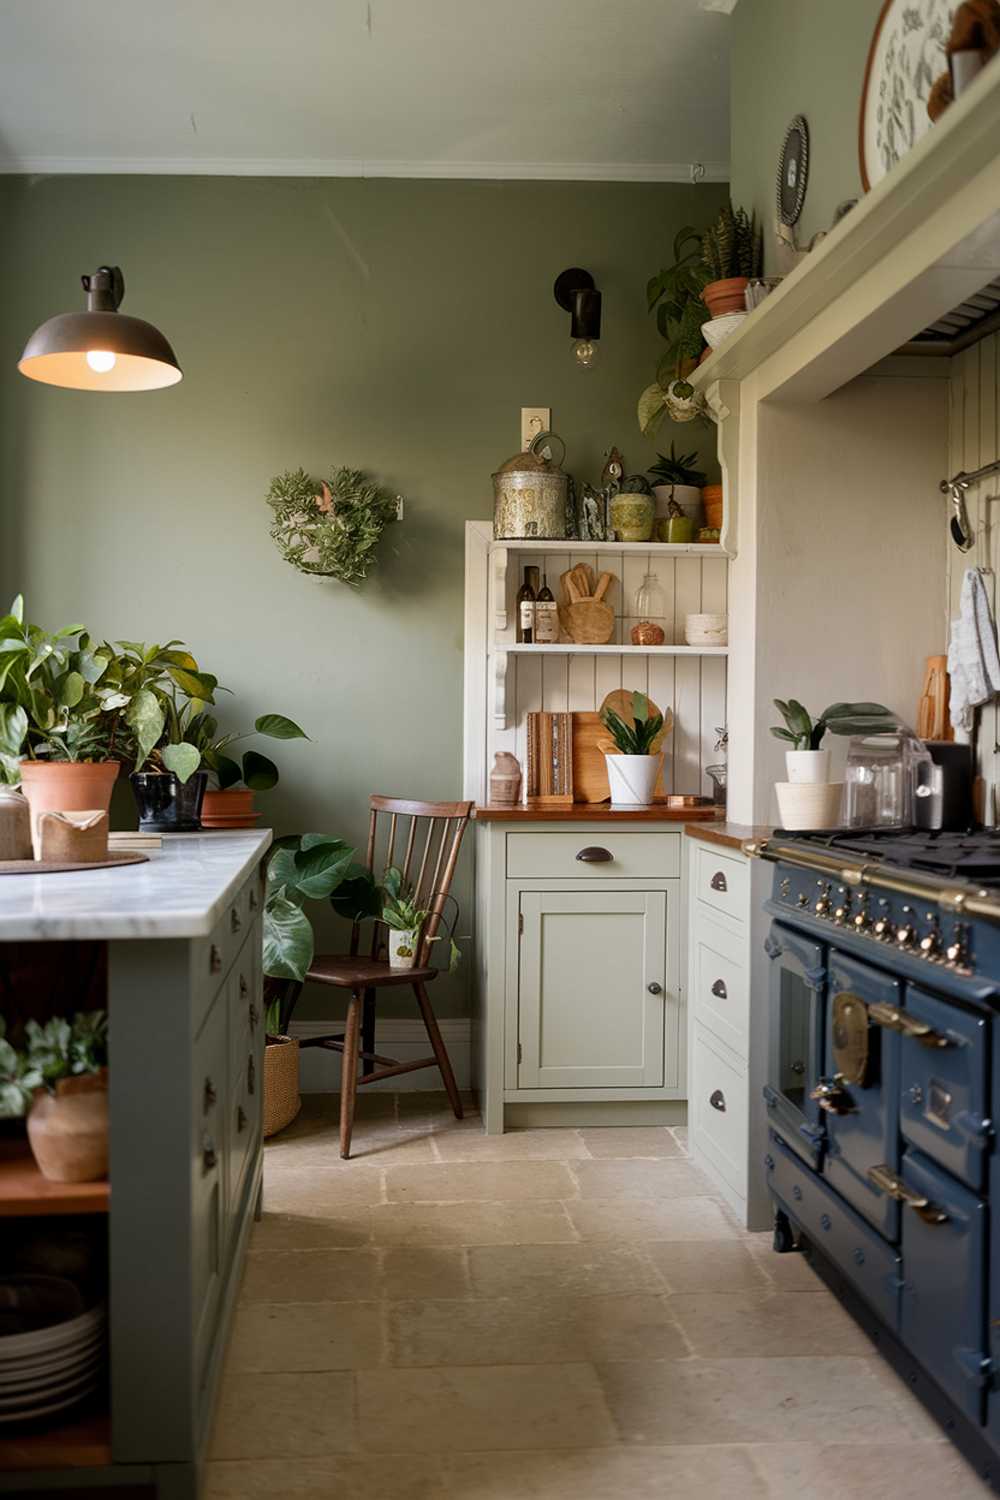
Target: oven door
x,y
798,976
859,1090
943,1056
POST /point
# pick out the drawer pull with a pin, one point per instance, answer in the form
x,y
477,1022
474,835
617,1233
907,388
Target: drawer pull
x,y
234,920
214,960
244,987
209,1155
719,990
241,1118
717,1100
718,882
253,1014
209,1096
253,901
886,1181
251,1075
595,855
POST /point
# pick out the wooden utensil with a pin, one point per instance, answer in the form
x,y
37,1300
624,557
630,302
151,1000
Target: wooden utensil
x,y
585,574
603,584
933,722
591,622
570,588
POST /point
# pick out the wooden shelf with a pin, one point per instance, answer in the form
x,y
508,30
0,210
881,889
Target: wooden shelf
x,y
572,648
25,1193
661,549
78,1440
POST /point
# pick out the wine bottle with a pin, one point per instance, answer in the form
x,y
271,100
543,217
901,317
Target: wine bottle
x,y
546,616
526,607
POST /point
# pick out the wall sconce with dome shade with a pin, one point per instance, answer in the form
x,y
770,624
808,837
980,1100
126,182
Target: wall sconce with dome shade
x,y
576,294
100,349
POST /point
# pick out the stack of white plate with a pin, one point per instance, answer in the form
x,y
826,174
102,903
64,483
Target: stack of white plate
x,y
52,1348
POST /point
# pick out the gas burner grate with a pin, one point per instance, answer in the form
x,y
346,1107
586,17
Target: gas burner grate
x,y
971,856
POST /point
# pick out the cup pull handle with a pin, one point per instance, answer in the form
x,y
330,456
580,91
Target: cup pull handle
x,y
719,990
717,1100
718,882
595,855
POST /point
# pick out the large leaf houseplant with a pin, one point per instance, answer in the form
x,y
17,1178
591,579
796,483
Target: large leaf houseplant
x,y
674,296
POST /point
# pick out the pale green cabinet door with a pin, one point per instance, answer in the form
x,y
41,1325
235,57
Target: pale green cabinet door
x,y
592,989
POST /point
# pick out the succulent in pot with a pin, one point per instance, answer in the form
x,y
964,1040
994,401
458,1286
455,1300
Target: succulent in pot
x,y
678,484
59,1080
732,249
632,772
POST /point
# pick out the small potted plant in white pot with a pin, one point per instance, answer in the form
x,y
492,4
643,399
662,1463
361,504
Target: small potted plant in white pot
x,y
808,799
59,1079
403,918
632,772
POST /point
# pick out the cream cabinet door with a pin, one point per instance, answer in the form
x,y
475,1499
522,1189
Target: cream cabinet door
x,y
593,990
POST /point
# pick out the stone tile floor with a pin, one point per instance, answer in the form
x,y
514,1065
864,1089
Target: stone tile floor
x,y
549,1314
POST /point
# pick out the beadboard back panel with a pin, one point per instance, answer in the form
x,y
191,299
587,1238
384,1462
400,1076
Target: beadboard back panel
x,y
974,440
693,687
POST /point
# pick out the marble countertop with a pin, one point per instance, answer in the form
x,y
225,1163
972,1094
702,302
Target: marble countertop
x,y
181,892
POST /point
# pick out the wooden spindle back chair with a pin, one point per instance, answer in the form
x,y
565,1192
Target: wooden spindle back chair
x,y
423,841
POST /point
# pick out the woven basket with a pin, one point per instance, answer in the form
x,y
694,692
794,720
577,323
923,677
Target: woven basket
x,y
281,1083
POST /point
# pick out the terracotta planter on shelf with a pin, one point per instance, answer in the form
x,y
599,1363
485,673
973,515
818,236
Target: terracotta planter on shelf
x,y
232,809
726,296
711,499
66,786
68,1130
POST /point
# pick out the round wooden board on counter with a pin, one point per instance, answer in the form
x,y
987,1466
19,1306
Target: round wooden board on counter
x,y
57,866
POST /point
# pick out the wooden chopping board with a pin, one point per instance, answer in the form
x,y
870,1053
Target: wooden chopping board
x,y
590,774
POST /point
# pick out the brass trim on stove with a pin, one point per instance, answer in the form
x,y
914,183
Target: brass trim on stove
x,y
955,895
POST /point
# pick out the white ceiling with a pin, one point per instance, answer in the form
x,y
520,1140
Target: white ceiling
x,y
632,89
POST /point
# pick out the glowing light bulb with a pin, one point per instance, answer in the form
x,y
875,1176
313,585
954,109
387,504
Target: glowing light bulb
x,y
585,351
101,360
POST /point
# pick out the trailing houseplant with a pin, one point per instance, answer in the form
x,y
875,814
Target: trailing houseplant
x,y
732,250
331,528
675,295
59,1080
632,772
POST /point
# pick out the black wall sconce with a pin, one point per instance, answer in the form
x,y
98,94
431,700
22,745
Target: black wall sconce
x,y
576,294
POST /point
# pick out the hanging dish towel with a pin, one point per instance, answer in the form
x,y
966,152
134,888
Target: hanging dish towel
x,y
972,656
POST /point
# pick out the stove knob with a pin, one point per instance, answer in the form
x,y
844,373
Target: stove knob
x,y
883,925
906,933
930,943
956,953
822,907
861,921
842,910
803,899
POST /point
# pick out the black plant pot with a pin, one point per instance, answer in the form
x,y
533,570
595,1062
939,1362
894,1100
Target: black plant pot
x,y
167,805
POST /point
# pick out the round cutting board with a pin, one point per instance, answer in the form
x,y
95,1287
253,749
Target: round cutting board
x,y
55,866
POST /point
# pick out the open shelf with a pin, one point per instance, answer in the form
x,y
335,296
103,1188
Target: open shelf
x,y
25,1193
574,648
78,1440
661,549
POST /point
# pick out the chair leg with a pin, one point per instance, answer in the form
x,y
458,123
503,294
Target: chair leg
x,y
349,1073
368,1031
440,1050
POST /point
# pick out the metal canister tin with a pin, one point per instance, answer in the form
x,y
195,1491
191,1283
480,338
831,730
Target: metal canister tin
x,y
529,496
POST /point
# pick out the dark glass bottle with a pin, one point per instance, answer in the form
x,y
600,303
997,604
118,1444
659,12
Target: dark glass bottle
x,y
526,607
546,616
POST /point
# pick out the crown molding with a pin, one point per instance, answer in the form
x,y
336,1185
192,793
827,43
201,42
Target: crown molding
x,y
224,166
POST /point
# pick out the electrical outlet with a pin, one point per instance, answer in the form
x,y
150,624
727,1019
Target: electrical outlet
x,y
534,419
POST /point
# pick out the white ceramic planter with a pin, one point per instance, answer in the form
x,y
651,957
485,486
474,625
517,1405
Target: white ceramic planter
x,y
706,630
808,765
688,497
632,778
403,948
809,804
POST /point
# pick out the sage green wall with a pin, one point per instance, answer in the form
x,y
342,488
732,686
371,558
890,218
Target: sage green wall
x,y
792,57
395,326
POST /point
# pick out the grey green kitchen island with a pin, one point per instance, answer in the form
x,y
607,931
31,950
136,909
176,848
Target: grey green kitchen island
x,y
184,997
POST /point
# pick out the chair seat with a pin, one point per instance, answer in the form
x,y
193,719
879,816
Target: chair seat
x,y
352,972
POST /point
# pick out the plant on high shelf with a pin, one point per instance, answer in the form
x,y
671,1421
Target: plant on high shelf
x,y
808,799
632,772
675,293
59,1080
678,495
732,250
331,528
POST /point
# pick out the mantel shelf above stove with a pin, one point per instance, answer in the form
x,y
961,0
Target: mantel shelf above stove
x,y
923,242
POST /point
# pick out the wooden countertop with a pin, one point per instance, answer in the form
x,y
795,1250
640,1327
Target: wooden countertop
x,y
730,835
593,812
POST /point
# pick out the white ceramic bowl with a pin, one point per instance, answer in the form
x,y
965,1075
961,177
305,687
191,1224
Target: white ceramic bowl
x,y
717,330
706,630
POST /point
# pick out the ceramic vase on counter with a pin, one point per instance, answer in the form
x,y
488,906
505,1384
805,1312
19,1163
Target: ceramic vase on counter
x,y
167,805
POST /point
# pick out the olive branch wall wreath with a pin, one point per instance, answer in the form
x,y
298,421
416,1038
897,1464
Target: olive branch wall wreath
x,y
330,528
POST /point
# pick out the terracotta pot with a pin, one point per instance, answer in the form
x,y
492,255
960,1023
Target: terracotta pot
x,y
711,498
66,786
726,296
68,1130
232,809
281,1083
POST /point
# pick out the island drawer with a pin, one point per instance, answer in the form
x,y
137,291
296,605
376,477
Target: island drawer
x,y
597,853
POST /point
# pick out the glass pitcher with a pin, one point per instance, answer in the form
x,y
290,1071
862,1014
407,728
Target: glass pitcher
x,y
882,770
649,610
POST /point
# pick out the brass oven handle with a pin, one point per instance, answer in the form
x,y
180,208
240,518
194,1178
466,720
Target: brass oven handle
x,y
830,1095
718,882
719,990
717,1100
887,1181
898,1020
595,855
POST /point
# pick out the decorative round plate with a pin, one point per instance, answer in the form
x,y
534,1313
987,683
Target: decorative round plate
x,y
906,56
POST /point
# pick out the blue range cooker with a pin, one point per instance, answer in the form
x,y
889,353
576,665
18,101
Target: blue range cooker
x,y
883,1086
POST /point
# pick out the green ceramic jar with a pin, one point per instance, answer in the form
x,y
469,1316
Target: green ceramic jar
x,y
632,517
675,529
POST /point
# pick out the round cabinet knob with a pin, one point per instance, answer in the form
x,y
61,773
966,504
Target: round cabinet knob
x,y
654,987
